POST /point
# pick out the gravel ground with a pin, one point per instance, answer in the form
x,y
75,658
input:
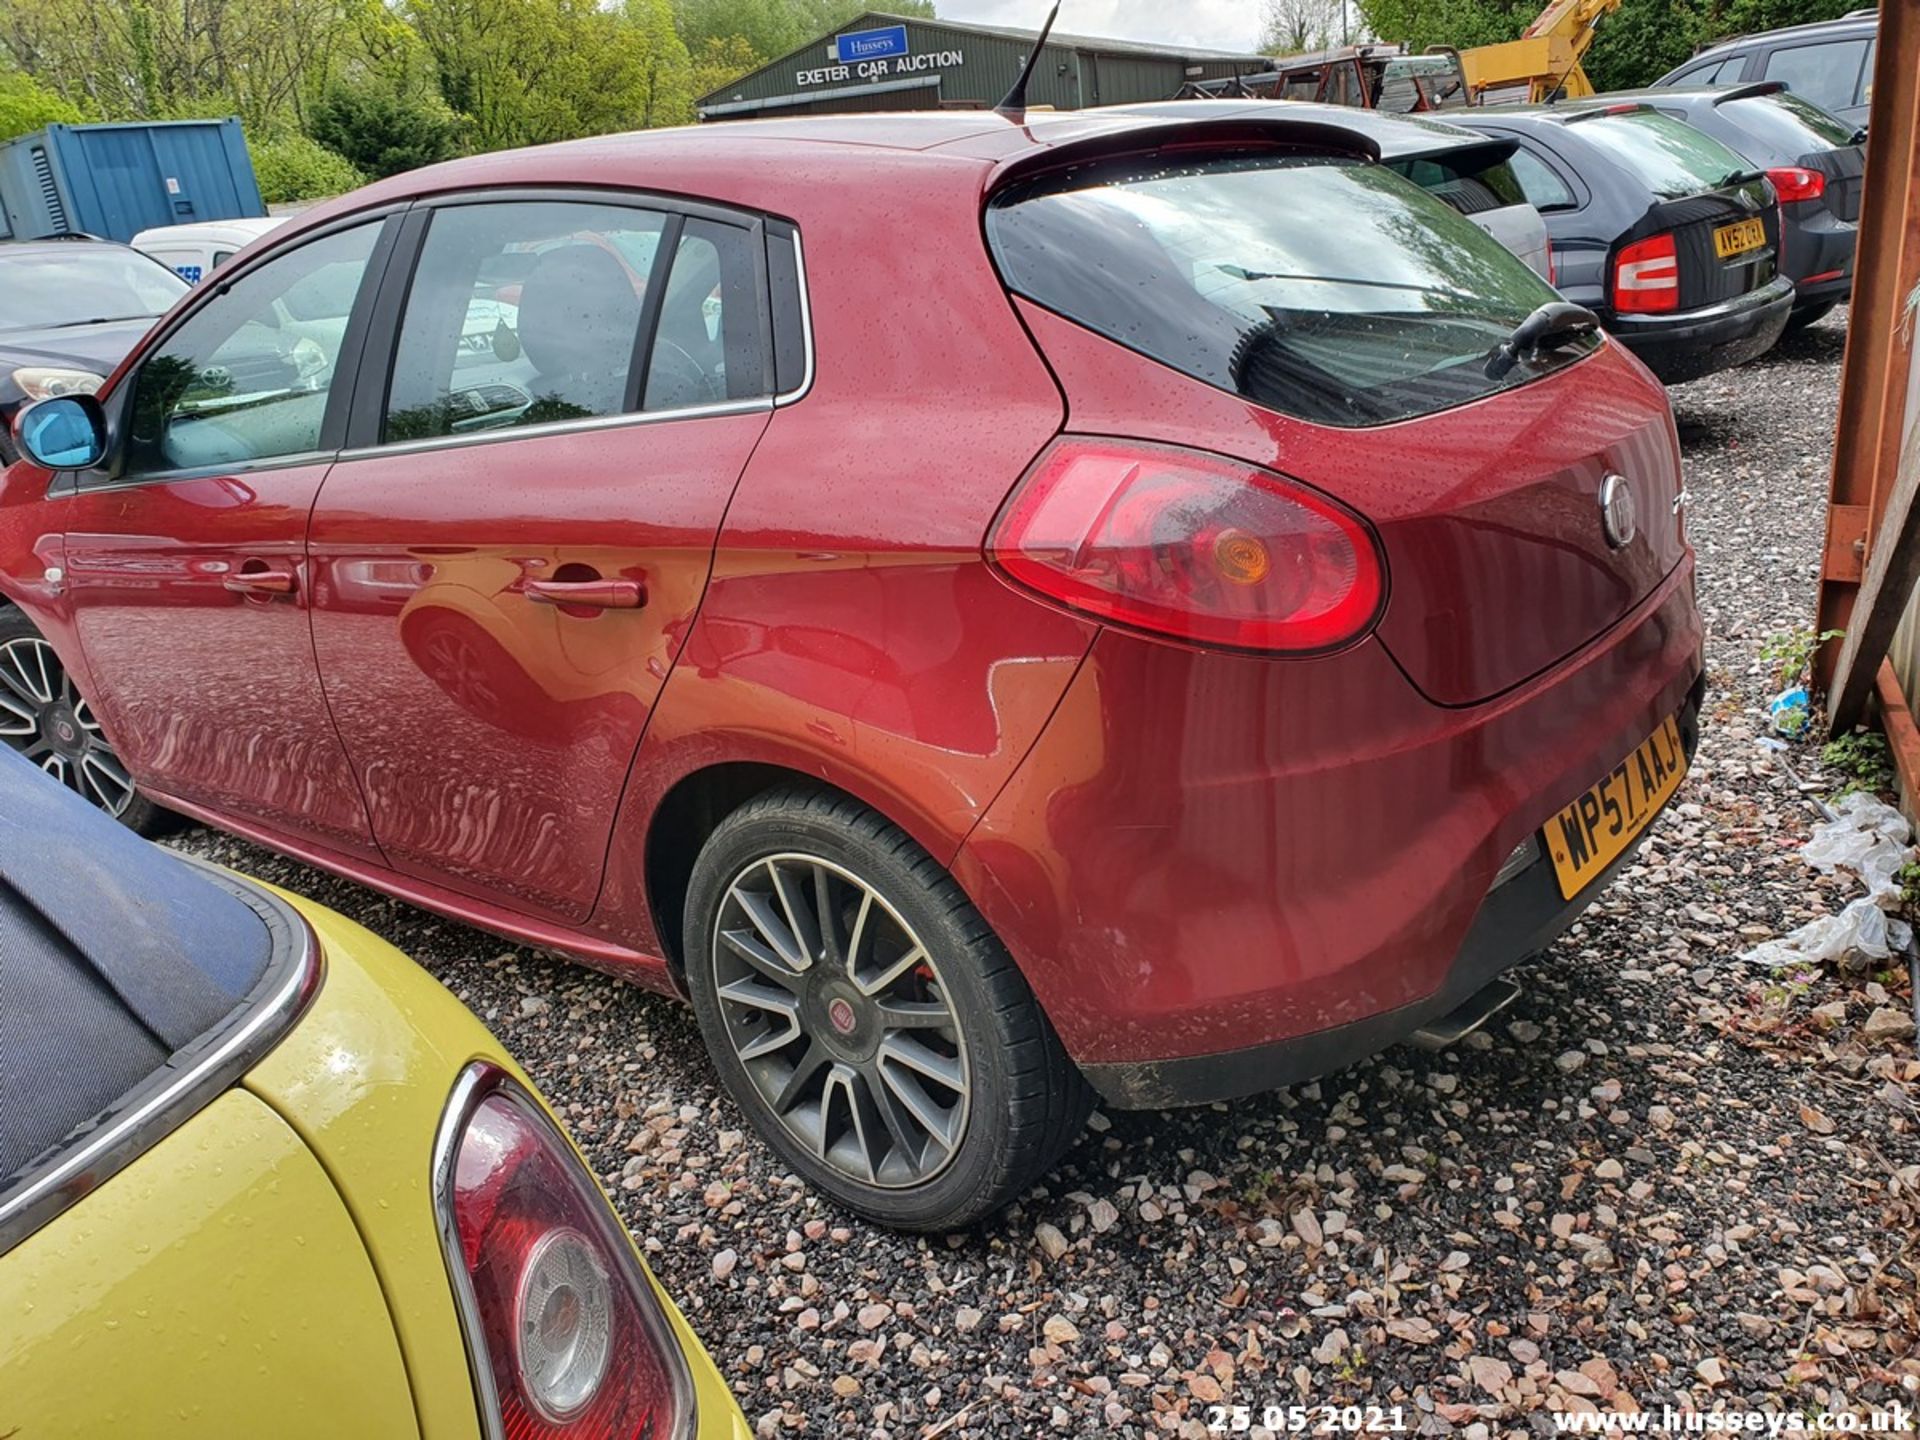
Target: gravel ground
x,y
1662,1179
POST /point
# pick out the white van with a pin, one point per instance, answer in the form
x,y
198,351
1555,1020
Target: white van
x,y
196,251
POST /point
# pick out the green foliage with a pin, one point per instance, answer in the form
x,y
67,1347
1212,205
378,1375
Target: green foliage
x,y
1908,876
1636,45
382,131
773,28
293,167
721,61
1791,652
26,105
524,72
1863,758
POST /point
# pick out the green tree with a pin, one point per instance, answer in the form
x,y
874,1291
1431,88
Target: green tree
x,y
381,130
26,105
1636,44
773,28
528,71
293,167
718,62
164,59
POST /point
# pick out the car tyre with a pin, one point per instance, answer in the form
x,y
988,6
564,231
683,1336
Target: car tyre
x,y
1800,319
930,1125
44,716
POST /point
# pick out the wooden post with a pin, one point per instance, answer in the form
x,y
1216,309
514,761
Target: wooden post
x,y
1872,553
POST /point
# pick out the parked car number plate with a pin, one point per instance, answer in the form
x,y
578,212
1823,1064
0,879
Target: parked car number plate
x,y
1585,838
1737,239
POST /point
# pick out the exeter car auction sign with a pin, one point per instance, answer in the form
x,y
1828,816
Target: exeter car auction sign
x,y
876,55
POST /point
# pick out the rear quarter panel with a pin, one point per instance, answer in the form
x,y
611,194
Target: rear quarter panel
x,y
215,1287
364,1079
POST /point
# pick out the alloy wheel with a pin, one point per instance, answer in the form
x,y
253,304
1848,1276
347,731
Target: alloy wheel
x,y
47,720
836,1011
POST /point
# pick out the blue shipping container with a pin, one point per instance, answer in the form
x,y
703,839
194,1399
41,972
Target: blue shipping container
x,y
117,180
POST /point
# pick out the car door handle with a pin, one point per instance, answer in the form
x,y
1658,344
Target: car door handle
x,y
588,594
260,582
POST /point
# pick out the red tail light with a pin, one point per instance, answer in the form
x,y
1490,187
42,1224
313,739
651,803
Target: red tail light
x,y
565,1338
1190,547
1646,276
1795,182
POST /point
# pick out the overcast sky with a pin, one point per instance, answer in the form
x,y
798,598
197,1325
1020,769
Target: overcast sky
x,y
1211,24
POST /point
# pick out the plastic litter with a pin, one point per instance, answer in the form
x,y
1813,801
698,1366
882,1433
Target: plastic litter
x,y
1866,837
1862,928
1790,711
1872,840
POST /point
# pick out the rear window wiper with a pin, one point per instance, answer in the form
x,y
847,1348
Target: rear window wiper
x,y
1739,177
1555,321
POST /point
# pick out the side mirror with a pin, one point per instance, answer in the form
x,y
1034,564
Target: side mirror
x,y
68,432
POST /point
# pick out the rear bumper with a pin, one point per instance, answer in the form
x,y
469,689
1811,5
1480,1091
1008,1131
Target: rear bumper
x,y
1819,245
1222,874
1694,343
1518,919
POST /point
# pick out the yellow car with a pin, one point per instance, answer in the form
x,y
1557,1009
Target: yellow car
x,y
260,1175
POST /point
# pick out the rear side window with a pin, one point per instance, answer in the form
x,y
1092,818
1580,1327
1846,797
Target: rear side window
x,y
521,314
708,346
1788,125
1542,187
1828,75
1319,287
1714,72
1468,189
1668,156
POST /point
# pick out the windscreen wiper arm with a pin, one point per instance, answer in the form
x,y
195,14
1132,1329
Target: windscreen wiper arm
x,y
1554,321
1740,177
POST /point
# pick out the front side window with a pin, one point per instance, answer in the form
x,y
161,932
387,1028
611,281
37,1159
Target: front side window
x,y
1321,287
247,376
1828,75
1668,156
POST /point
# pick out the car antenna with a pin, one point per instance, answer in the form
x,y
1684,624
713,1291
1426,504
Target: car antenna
x,y
1014,106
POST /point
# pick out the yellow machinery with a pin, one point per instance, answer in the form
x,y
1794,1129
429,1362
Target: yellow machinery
x,y
1546,59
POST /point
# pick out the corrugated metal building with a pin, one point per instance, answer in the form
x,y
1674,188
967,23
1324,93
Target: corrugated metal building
x,y
115,180
891,62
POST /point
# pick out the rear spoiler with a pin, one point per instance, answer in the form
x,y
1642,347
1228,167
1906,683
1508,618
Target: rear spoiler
x,y
1339,129
1748,90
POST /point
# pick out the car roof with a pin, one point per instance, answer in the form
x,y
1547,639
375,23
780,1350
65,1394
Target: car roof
x,y
1841,25
800,165
1695,96
251,226
119,955
56,244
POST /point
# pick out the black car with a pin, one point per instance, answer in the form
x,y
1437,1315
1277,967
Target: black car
x,y
1815,161
1672,239
1829,63
70,310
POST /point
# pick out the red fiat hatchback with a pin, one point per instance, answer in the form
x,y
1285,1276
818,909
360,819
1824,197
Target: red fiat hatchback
x,y
994,612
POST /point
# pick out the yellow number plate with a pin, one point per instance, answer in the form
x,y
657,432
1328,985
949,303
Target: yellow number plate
x,y
1584,838
1731,240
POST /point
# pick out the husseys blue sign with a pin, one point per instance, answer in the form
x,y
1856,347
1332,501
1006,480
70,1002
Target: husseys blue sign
x,y
870,44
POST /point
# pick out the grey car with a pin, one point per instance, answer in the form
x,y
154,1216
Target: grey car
x,y
1829,62
1815,161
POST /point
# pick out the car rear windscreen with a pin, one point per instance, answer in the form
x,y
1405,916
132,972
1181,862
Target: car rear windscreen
x,y
1668,156
1321,287
1787,125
